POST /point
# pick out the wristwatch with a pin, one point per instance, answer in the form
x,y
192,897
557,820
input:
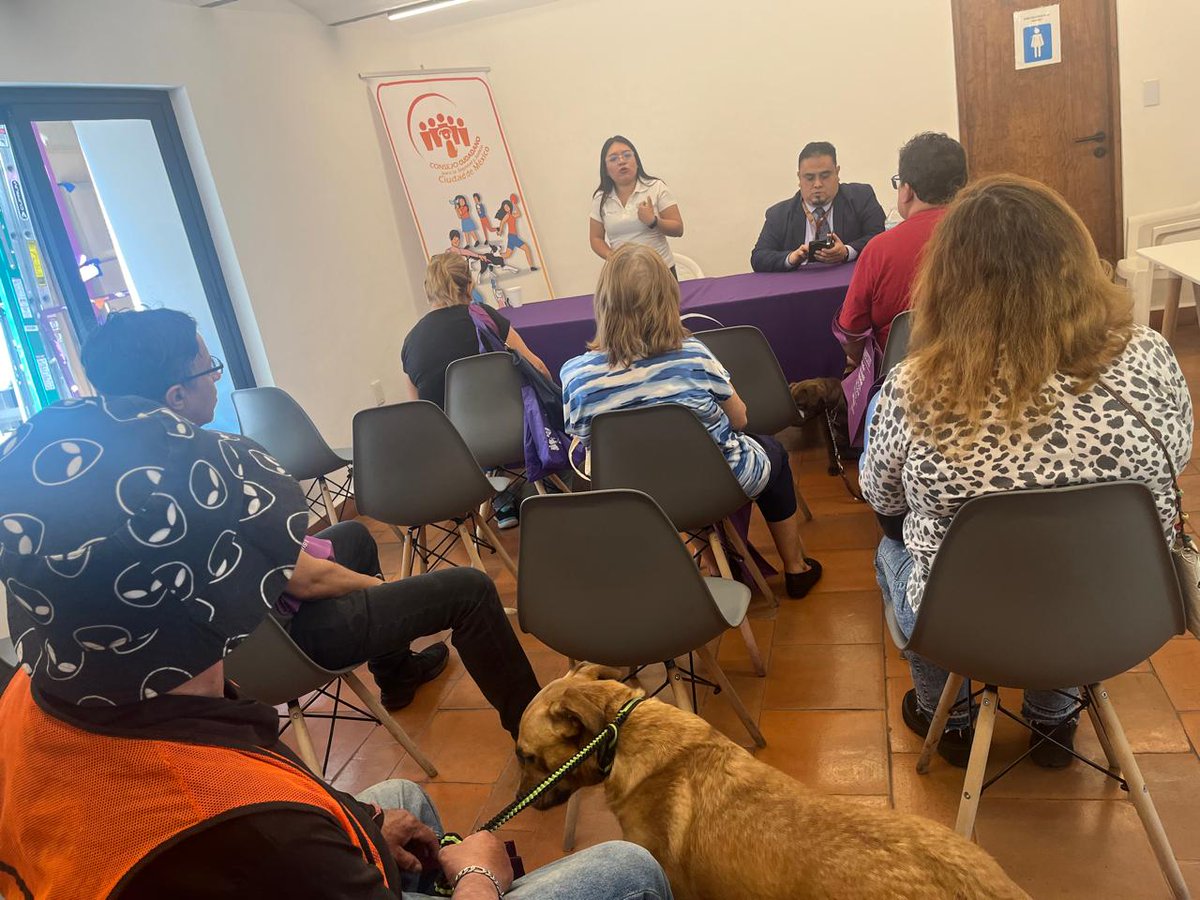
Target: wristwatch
x,y
653,224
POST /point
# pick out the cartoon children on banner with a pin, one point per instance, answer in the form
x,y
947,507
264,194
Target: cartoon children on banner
x,y
489,256
485,221
507,216
470,231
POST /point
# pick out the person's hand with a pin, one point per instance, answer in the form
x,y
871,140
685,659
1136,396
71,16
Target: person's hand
x,y
645,211
797,256
479,849
839,252
413,844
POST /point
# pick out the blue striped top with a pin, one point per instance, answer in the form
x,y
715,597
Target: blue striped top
x,y
690,376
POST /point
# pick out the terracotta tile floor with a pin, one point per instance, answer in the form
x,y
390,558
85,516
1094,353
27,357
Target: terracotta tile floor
x,y
829,710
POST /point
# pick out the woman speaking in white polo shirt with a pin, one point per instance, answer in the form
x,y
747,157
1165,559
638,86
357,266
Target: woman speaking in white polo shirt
x,y
630,206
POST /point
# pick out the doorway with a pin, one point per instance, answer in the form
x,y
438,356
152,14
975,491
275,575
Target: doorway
x,y
1057,120
99,215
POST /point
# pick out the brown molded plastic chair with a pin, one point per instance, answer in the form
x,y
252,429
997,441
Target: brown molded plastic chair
x,y
415,470
269,667
1044,589
272,417
665,452
605,578
759,380
483,400
897,342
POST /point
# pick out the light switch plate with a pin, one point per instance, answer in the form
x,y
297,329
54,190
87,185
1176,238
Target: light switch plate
x,y
1150,92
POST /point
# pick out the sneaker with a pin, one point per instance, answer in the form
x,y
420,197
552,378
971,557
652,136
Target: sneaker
x,y
1048,755
427,665
955,745
507,518
800,583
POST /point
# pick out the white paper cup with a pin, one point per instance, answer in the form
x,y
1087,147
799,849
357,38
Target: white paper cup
x,y
513,294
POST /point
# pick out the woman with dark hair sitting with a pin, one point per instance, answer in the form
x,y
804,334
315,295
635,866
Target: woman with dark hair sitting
x,y
1019,363
631,206
642,355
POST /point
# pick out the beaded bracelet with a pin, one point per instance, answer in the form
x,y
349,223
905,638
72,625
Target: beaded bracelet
x,y
479,870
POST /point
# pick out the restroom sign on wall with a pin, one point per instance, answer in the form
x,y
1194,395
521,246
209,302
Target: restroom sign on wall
x,y
1037,37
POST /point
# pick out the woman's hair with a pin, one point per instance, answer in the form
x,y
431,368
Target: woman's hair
x,y
636,306
1010,291
505,208
606,183
448,280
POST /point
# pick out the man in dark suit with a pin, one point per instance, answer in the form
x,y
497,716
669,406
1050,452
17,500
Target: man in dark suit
x,y
847,214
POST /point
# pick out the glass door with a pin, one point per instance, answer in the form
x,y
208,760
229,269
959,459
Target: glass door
x,y
112,221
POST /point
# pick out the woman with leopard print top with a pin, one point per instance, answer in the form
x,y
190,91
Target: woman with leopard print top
x,y
1015,323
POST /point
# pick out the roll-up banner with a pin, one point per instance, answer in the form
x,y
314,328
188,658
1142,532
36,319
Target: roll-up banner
x,y
460,180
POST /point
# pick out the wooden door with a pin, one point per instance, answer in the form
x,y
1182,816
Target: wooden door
x,y
1057,123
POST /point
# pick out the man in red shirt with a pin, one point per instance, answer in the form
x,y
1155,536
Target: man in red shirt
x,y
932,169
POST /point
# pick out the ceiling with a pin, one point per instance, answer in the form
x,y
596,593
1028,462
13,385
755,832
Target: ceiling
x,y
343,12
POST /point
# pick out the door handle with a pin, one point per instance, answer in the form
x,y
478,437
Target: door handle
x,y
1098,138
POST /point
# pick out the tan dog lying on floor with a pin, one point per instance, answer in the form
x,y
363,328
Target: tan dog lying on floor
x,y
724,825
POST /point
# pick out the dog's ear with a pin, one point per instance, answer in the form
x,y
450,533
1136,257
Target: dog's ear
x,y
592,672
577,715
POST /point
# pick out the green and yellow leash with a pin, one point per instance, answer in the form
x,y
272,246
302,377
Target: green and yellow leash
x,y
603,744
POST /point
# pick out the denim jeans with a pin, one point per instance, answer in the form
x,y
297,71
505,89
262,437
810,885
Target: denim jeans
x,y
616,870
893,565
377,625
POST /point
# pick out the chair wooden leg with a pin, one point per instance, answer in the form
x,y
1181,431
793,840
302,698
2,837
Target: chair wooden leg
x,y
679,690
572,820
406,556
938,725
718,674
714,542
472,550
304,744
756,574
330,509
385,719
803,504
968,806
541,488
420,564
1114,764
562,485
1138,792
492,538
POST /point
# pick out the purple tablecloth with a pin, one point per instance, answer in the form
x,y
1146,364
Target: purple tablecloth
x,y
793,309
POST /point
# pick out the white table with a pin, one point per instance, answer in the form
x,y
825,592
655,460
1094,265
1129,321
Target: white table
x,y
1182,260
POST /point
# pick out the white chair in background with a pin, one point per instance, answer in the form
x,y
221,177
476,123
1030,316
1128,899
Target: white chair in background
x,y
1151,229
686,267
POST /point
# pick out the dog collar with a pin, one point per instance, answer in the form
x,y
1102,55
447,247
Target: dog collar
x,y
604,745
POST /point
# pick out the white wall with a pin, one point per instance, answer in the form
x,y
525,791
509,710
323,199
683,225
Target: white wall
x,y
718,97
296,174
1160,144
321,258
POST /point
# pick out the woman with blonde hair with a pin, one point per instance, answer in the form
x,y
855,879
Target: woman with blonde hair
x,y
446,333
643,355
1022,353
